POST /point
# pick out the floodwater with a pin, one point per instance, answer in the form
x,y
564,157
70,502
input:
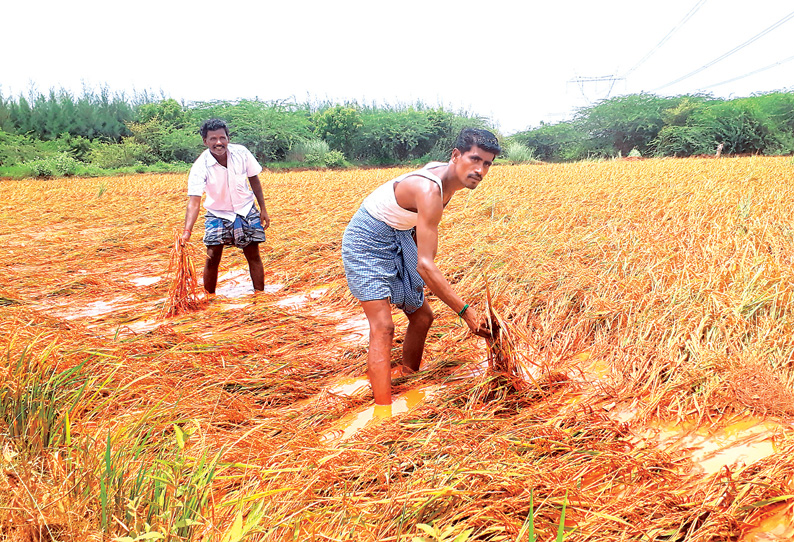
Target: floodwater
x,y
235,283
742,442
145,281
777,527
297,301
349,425
349,386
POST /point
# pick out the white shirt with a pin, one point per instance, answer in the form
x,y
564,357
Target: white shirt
x,y
228,192
382,203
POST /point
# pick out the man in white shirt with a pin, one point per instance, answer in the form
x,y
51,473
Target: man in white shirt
x,y
224,172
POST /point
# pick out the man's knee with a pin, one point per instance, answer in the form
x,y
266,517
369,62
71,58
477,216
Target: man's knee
x,y
214,253
383,329
424,316
251,253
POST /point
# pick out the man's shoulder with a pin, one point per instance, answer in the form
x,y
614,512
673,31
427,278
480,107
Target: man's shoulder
x,y
236,148
201,161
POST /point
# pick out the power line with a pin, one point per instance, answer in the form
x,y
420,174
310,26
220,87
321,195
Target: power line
x,y
667,37
729,53
759,70
580,81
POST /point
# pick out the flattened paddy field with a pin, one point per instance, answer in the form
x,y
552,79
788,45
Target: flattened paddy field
x,y
650,305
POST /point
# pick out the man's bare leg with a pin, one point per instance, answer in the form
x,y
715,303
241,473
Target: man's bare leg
x,y
255,266
211,264
419,323
381,336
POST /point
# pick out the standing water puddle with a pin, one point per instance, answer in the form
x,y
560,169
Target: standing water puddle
x,y
744,441
145,281
777,527
349,425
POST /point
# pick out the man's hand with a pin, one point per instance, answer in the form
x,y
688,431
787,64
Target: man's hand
x,y
264,218
186,236
477,322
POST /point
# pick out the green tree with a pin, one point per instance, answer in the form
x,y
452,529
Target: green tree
x,y
268,129
621,124
337,126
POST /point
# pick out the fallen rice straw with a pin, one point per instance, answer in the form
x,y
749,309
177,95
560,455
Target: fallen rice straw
x,y
183,293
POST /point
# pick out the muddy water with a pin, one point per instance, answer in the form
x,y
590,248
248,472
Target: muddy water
x,y
349,425
777,527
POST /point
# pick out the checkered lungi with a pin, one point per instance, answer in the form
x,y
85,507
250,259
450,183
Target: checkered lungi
x,y
380,262
240,233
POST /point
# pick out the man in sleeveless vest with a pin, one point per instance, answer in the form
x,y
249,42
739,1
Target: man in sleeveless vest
x,y
224,172
389,251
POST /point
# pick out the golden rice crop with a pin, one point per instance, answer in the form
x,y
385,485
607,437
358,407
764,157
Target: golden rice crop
x,y
638,297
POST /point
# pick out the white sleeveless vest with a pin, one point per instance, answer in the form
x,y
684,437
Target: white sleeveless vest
x,y
382,203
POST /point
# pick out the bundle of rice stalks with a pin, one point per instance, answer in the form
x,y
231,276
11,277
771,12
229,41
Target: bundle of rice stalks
x,y
503,352
183,294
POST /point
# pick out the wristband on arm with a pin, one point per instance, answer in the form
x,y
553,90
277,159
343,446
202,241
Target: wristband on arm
x,y
460,314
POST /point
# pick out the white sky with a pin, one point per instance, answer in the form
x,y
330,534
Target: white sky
x,y
509,60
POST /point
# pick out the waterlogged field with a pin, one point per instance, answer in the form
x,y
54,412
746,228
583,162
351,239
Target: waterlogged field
x,y
652,305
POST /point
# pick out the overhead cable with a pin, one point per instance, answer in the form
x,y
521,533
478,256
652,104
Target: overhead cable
x,y
667,37
729,53
759,70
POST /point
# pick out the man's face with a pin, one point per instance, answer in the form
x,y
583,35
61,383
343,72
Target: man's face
x,y
217,141
472,166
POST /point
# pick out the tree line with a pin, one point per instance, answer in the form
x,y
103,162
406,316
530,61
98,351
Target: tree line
x,y
649,125
60,134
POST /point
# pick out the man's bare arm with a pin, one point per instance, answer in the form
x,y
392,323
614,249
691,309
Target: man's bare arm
x,y
256,187
193,207
430,207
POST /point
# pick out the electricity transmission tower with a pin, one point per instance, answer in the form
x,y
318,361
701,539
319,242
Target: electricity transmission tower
x,y
582,81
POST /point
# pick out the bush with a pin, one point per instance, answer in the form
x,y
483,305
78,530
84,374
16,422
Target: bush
x,y
19,149
338,125
334,159
56,166
309,151
316,152
518,153
116,155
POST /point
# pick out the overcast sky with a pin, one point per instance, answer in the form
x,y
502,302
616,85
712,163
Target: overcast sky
x,y
515,62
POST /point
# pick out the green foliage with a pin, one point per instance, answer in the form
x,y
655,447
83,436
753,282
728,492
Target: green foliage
x,y
554,142
739,125
166,112
166,143
166,129
117,155
268,129
624,123
78,146
401,134
334,159
518,153
60,165
37,398
684,141
316,152
46,117
669,126
309,151
17,149
338,125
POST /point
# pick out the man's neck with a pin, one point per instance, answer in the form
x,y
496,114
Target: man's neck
x,y
223,159
448,181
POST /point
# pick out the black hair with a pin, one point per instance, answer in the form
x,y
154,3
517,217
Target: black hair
x,y
213,124
470,137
